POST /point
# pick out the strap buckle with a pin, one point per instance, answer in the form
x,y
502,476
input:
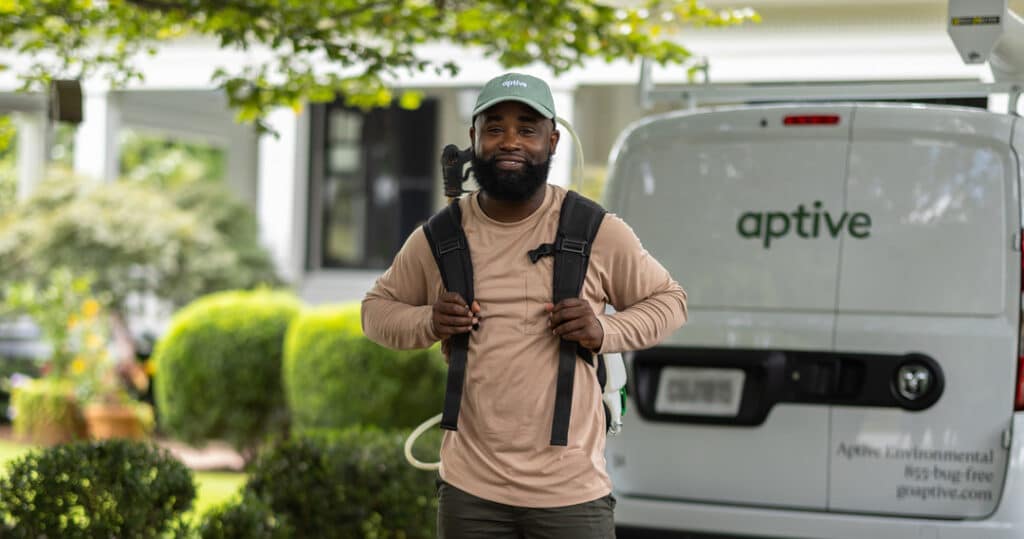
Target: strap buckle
x,y
541,251
573,246
449,245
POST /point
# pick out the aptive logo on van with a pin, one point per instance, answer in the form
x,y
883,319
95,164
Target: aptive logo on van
x,y
514,82
807,224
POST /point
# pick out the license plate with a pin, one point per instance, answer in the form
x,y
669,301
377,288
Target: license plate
x,y
699,391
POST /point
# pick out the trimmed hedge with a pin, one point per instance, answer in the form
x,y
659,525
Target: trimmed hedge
x,y
219,368
115,488
346,484
334,377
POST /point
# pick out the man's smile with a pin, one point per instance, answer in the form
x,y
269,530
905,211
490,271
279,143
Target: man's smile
x,y
508,162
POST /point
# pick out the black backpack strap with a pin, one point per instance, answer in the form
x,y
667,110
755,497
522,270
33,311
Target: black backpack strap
x,y
578,223
451,251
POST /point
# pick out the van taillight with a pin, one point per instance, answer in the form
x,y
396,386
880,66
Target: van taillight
x,y
812,119
1018,403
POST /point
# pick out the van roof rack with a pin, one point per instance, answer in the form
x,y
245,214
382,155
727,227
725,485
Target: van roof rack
x,y
707,94
981,30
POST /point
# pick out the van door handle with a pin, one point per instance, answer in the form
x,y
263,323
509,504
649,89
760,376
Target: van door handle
x,y
815,377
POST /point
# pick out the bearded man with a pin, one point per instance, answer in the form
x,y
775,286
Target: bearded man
x,y
500,475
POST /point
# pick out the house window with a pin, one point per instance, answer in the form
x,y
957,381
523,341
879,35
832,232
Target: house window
x,y
372,182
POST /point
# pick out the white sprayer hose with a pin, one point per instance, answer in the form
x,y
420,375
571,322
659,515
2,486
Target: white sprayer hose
x,y
578,170
416,433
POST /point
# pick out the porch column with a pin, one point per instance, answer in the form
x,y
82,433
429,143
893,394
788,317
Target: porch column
x,y
283,173
32,150
96,141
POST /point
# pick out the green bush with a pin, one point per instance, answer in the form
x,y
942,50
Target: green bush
x,y
335,377
219,368
348,485
236,223
114,488
244,518
132,238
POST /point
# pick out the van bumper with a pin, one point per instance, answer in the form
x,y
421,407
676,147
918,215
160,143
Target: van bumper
x,y
665,519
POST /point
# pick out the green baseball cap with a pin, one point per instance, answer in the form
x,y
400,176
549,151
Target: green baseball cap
x,y
516,87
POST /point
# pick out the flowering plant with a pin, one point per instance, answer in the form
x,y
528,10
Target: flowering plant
x,y
74,323
92,366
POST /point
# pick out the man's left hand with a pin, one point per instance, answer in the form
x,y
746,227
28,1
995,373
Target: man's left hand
x,y
573,320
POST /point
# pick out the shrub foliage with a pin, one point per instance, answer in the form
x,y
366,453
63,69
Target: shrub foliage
x,y
347,484
219,368
335,377
114,488
133,239
236,224
136,240
246,517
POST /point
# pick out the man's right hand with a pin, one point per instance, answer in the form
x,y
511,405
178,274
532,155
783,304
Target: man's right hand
x,y
452,316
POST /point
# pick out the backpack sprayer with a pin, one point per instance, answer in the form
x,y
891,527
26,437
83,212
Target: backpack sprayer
x,y
455,173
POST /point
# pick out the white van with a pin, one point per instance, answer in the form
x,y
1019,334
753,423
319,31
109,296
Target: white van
x,y
851,367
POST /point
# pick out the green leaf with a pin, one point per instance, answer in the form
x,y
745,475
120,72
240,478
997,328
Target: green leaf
x,y
410,99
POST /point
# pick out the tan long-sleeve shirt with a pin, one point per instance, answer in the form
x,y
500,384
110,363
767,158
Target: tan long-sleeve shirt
x,y
501,450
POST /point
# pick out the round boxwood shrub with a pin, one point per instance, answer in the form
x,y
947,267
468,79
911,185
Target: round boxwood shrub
x,y
349,484
219,368
335,377
114,488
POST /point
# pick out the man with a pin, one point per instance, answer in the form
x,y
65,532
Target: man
x,y
501,477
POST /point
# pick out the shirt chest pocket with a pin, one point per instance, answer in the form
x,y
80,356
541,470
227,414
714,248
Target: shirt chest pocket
x,y
537,291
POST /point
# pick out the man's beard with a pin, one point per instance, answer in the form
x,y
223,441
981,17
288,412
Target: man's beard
x,y
511,186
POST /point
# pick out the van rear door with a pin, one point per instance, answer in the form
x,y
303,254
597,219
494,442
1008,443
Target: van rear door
x,y
727,202
937,275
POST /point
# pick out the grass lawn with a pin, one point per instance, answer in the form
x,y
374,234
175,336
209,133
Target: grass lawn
x,y
215,487
10,451
212,487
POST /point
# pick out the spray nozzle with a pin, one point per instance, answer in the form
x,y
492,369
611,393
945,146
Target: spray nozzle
x,y
453,161
455,173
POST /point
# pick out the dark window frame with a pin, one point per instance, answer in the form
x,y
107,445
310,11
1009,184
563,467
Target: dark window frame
x,y
392,131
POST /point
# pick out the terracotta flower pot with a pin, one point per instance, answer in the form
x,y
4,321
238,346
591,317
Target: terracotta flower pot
x,y
47,413
107,421
50,434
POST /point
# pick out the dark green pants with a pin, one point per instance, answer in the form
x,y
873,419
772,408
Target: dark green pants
x,y
461,515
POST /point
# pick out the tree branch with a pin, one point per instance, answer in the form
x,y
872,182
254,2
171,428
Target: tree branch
x,y
247,7
158,5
